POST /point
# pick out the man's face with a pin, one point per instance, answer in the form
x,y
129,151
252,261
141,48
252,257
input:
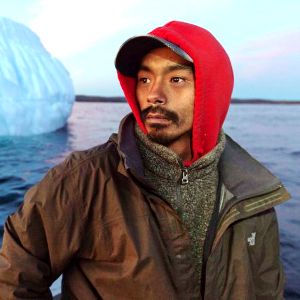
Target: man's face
x,y
165,93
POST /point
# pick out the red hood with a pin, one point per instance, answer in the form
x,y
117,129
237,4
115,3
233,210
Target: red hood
x,y
213,82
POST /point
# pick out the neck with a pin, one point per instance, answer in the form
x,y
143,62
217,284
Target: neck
x,y
182,147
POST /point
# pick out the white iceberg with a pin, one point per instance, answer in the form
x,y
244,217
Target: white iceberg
x,y
36,91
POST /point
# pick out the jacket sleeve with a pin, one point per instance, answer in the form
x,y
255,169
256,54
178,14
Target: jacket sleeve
x,y
39,240
269,279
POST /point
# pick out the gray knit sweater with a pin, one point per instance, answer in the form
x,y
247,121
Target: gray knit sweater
x,y
190,191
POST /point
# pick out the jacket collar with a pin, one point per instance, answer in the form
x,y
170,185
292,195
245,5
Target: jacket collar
x,y
126,143
243,175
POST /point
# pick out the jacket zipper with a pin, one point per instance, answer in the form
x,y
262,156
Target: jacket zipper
x,y
184,179
184,176
210,235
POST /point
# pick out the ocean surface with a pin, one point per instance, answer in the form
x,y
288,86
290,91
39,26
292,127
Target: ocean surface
x,y
271,133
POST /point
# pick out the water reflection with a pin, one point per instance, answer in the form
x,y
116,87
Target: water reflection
x,y
23,161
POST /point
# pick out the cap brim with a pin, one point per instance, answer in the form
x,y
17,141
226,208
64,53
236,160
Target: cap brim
x,y
134,49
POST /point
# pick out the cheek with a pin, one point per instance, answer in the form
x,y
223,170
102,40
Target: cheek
x,y
140,97
188,98
188,110
189,118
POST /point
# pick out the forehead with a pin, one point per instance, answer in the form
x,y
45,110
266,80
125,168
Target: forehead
x,y
163,56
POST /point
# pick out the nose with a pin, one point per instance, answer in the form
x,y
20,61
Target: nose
x,y
156,94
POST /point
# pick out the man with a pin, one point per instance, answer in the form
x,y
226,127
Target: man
x,y
170,208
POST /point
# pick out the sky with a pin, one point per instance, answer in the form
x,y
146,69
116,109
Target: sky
x,y
262,38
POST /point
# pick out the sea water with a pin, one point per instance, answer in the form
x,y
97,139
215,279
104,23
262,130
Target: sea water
x,y
271,133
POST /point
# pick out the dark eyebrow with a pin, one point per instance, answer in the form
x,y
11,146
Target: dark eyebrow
x,y
175,67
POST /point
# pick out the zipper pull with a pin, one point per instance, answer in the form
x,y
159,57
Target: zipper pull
x,y
185,177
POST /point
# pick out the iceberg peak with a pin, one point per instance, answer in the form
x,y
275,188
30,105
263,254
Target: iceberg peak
x,y
36,91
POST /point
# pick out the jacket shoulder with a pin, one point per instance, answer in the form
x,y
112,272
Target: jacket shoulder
x,y
66,184
100,156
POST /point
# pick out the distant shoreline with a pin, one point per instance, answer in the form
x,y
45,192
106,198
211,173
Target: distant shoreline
x,y
83,98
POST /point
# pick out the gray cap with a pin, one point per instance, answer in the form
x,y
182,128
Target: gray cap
x,y
131,53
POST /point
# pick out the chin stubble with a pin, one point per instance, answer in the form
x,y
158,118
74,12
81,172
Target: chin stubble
x,y
157,135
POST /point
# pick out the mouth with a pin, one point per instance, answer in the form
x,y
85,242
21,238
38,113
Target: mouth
x,y
156,118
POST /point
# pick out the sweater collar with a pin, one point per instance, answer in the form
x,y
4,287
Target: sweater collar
x,y
163,162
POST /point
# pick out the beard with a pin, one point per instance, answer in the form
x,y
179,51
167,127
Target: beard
x,y
157,132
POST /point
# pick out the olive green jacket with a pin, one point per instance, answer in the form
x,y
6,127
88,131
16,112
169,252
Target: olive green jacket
x,y
95,220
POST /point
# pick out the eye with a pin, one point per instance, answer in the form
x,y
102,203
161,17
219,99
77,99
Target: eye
x,y
144,80
177,79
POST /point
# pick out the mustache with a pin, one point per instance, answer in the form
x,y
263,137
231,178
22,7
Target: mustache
x,y
167,114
